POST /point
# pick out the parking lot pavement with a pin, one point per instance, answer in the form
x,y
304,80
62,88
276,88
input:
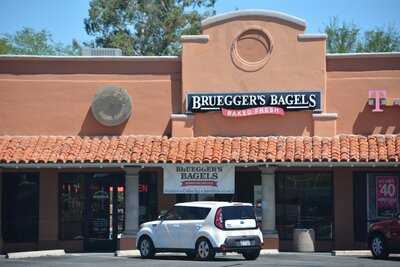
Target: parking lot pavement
x,y
282,259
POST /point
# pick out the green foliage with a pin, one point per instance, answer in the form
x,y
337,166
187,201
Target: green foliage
x,y
380,40
5,46
345,38
342,37
145,27
30,42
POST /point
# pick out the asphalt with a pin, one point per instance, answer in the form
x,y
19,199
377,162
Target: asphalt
x,y
282,259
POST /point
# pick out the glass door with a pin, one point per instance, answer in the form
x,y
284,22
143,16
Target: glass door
x,y
104,212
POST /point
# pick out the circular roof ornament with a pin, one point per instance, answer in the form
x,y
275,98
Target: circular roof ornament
x,y
251,49
111,106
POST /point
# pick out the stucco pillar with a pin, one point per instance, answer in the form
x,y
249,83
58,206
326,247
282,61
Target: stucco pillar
x,y
1,205
271,238
48,209
131,209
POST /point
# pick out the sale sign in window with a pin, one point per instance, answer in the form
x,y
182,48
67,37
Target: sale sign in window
x,y
387,193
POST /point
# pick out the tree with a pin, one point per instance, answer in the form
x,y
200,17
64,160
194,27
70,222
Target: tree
x,y
380,40
30,42
145,27
342,37
345,38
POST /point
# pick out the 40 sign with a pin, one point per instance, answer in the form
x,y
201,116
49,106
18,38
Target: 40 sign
x,y
386,195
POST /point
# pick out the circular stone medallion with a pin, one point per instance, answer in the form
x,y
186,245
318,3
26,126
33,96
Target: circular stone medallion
x,y
251,49
111,106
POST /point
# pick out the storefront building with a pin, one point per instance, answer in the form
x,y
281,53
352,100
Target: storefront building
x,y
254,110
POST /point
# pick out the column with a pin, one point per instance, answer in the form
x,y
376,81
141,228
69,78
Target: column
x,y
128,239
48,209
1,205
271,238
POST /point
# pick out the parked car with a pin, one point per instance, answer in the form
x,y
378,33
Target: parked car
x,y
201,229
384,237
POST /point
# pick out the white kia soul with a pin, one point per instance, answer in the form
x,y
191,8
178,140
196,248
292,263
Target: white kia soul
x,y
201,229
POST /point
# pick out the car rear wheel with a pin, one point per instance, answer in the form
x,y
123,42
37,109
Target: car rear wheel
x,y
146,247
378,247
204,250
251,255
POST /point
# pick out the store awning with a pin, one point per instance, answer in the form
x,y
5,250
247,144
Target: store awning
x,y
161,150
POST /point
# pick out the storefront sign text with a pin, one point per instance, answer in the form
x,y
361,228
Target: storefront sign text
x,y
253,103
199,179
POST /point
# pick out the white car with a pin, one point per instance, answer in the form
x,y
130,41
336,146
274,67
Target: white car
x,y
201,229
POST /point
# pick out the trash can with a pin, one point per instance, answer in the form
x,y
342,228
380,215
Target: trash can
x,y
304,240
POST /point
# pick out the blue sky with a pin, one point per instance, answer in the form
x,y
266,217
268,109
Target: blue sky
x,y
64,18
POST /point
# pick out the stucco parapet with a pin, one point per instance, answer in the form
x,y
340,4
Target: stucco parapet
x,y
310,37
181,117
252,13
364,55
90,58
195,38
325,116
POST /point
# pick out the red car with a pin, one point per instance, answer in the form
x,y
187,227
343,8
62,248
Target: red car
x,y
384,237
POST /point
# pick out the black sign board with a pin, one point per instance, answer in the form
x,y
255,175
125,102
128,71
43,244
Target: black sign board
x,y
203,102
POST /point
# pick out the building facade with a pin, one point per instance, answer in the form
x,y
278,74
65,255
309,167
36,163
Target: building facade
x,y
254,110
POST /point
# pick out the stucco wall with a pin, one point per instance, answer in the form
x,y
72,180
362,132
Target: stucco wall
x,y
50,97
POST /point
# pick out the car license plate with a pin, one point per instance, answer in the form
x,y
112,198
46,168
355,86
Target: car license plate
x,y
245,243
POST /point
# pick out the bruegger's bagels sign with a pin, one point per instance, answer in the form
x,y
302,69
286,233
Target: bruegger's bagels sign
x,y
199,179
248,104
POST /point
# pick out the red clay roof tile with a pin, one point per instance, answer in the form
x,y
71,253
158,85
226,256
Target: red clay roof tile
x,y
157,149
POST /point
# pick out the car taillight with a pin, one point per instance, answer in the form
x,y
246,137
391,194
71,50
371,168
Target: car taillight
x,y
218,220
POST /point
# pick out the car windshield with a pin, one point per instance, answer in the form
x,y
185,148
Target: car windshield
x,y
238,212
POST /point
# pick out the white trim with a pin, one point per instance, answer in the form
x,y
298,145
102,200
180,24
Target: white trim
x,y
314,36
364,55
195,38
325,115
259,13
181,117
90,58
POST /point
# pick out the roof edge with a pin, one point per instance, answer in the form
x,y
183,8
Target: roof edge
x,y
90,58
259,13
363,55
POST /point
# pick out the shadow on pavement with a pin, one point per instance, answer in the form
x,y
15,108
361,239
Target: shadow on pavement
x,y
185,258
390,258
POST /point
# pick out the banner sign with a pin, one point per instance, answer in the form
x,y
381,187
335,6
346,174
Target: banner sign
x,y
204,102
386,195
199,179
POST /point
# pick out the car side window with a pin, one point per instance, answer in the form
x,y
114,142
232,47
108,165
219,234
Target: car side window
x,y
194,213
172,214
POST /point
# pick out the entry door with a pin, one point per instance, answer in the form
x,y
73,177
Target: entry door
x,y
104,212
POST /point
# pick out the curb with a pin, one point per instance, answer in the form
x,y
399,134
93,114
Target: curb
x,y
351,253
136,253
32,254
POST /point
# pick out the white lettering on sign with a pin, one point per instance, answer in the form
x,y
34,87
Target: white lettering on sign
x,y
199,179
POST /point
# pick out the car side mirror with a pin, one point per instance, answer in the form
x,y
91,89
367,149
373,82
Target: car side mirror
x,y
162,215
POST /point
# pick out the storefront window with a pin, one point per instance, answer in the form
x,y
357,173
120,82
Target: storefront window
x,y
383,195
20,207
304,200
72,199
148,196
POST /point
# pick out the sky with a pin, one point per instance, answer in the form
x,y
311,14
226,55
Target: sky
x,y
64,18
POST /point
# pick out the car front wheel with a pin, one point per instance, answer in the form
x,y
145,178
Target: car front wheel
x,y
204,250
251,255
378,248
146,247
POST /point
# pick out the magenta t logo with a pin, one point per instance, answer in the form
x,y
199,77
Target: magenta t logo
x,y
377,94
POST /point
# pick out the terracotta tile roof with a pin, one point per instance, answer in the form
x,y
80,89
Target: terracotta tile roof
x,y
157,149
